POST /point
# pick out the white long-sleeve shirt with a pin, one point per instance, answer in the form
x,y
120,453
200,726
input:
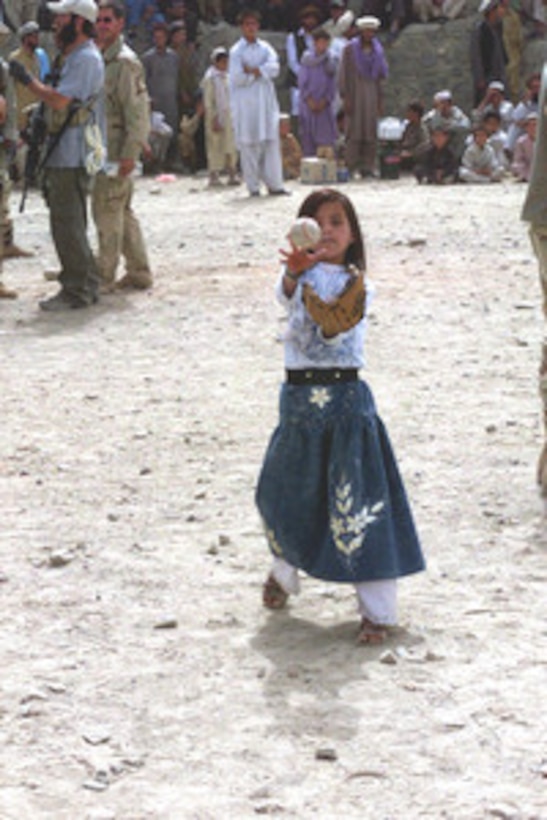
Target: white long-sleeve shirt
x,y
255,109
305,345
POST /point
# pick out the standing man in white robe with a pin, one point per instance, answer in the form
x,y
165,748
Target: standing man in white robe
x,y
254,64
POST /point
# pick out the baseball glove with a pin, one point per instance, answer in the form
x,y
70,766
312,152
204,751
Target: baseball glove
x,y
342,313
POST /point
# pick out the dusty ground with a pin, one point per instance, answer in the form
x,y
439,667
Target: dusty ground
x,y
130,443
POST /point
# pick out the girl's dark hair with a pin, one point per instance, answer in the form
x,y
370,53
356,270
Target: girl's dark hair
x,y
355,254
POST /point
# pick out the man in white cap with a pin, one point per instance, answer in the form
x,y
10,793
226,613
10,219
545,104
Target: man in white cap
x,y
494,100
448,116
363,70
75,102
339,27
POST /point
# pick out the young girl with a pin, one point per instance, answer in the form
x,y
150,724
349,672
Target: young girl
x,y
330,495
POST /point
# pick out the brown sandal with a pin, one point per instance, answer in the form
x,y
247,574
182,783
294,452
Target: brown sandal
x,y
371,633
273,594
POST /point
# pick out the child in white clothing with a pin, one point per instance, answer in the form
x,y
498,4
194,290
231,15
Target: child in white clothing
x,y
219,134
479,163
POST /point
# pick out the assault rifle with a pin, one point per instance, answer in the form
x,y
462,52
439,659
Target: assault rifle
x,y
36,138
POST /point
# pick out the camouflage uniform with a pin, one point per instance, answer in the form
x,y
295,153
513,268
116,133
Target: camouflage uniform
x,y
8,136
127,123
534,211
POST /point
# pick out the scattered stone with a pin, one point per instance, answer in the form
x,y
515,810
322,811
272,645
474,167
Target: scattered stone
x,y
56,688
95,785
373,773
36,695
504,813
416,242
96,735
3,578
213,550
326,753
224,540
388,657
269,808
60,559
145,471
433,657
491,428
167,623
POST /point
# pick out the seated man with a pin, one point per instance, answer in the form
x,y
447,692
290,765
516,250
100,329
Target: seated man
x,y
494,100
452,119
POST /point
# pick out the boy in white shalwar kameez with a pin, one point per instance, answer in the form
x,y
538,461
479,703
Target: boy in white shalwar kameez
x,y
479,162
219,133
253,67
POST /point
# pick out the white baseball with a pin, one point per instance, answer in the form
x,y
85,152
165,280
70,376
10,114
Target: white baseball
x,y
305,233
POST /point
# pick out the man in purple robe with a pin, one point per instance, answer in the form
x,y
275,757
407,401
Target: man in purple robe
x,y
362,71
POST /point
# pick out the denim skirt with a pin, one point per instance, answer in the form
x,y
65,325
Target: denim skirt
x,y
329,492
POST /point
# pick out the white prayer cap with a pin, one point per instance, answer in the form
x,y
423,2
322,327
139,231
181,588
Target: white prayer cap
x,y
487,5
82,8
443,96
217,52
29,27
496,85
368,21
345,21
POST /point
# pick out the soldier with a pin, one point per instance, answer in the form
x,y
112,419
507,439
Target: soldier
x,y
26,54
73,105
7,133
127,125
534,212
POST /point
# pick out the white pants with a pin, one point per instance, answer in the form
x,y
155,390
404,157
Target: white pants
x,y
376,600
261,162
466,175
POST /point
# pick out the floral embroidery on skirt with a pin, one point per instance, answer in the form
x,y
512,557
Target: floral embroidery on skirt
x,y
330,493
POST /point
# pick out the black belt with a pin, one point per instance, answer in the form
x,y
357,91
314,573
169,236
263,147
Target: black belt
x,y
333,375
